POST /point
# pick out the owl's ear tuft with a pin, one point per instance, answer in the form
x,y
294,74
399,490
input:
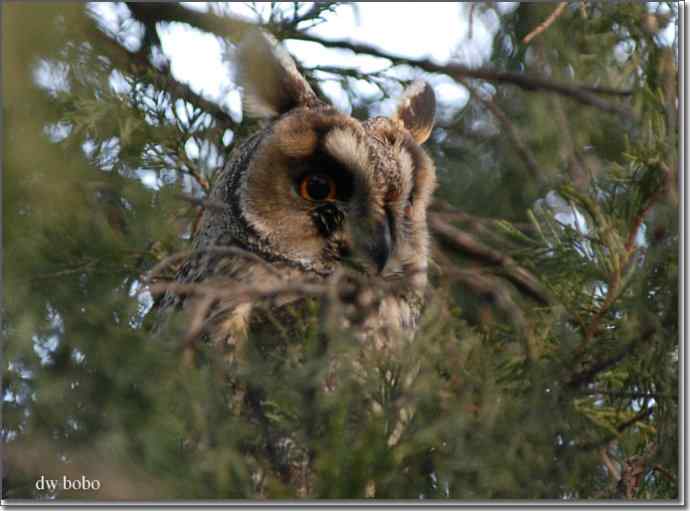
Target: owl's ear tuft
x,y
416,110
272,84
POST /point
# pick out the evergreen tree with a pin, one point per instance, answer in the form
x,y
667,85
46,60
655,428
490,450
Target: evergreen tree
x,y
548,355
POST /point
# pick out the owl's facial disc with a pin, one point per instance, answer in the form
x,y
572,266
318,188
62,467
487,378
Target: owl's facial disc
x,y
325,189
321,187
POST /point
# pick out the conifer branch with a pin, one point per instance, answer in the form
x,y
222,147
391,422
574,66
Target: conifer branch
x,y
517,275
665,472
234,29
222,26
138,65
616,278
620,428
520,147
585,94
546,24
613,471
213,250
586,376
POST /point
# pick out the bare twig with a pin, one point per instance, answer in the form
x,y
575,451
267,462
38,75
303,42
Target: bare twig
x,y
584,94
79,268
633,472
315,14
484,228
374,76
631,395
234,29
642,415
450,212
631,477
138,65
198,323
612,289
600,89
470,20
216,250
546,24
195,174
583,9
203,203
616,278
521,148
579,174
588,375
223,26
614,472
494,291
517,275
665,472
641,215
225,288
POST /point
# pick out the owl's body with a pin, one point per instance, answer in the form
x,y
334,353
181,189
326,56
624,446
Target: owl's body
x,y
313,196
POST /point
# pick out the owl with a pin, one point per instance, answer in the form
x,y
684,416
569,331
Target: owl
x,y
311,197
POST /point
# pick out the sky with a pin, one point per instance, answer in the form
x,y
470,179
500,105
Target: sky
x,y
433,30
438,31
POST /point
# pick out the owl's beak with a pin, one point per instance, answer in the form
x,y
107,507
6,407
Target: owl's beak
x,y
380,245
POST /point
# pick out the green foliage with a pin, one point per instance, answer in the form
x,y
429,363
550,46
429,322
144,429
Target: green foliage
x,y
510,397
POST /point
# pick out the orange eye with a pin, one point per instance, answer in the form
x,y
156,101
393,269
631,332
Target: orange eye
x,y
317,187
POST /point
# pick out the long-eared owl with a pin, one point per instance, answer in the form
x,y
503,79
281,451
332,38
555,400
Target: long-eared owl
x,y
313,192
316,200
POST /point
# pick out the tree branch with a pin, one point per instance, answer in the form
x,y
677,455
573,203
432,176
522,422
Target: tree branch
x,y
614,472
517,275
520,147
546,24
584,94
222,26
588,375
137,64
642,415
234,29
470,20
215,250
665,472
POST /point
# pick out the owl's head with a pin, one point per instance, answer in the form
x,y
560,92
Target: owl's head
x,y
318,187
